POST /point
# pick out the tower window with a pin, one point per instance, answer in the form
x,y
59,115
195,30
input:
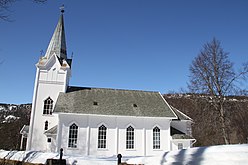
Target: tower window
x,y
95,103
135,105
73,133
46,125
130,138
102,136
49,140
156,138
48,106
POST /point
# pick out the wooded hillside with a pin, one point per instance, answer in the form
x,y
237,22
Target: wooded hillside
x,y
12,119
206,127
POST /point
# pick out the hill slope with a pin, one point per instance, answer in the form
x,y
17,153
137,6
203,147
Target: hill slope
x,y
12,118
206,127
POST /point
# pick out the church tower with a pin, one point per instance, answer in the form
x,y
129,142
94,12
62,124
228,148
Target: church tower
x,y
52,77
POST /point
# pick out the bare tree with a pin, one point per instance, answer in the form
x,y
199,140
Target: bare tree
x,y
212,73
5,8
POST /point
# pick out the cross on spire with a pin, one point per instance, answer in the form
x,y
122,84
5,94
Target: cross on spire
x,y
62,8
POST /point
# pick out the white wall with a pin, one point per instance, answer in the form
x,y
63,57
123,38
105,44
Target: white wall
x,y
185,127
174,144
50,80
116,134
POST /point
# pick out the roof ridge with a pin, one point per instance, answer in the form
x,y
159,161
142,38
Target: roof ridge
x,y
116,89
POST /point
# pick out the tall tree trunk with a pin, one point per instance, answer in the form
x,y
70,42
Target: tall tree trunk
x,y
223,123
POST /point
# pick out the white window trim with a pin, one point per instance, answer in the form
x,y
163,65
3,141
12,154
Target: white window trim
x,y
159,138
50,111
68,145
134,138
106,141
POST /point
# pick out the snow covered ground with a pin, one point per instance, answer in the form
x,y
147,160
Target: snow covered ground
x,y
41,157
213,155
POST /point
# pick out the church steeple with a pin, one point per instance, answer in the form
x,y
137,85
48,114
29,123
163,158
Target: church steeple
x,y
53,72
57,44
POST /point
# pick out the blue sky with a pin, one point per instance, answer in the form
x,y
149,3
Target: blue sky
x,y
124,44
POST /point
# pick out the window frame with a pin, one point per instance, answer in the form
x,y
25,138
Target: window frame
x,y
46,125
49,140
130,137
156,138
48,106
102,137
73,136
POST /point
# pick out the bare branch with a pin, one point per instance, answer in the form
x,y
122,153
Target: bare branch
x,y
40,1
4,9
5,6
212,73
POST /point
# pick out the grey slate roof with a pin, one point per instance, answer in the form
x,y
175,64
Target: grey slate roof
x,y
180,115
176,134
51,131
103,101
175,131
181,136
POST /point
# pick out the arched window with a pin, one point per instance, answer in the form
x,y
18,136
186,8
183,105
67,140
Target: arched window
x,y
130,138
156,138
73,133
48,106
46,125
102,136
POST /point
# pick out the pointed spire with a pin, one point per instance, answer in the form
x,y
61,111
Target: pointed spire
x,y
57,44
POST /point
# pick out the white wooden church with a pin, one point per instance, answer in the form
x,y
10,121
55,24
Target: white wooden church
x,y
97,121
